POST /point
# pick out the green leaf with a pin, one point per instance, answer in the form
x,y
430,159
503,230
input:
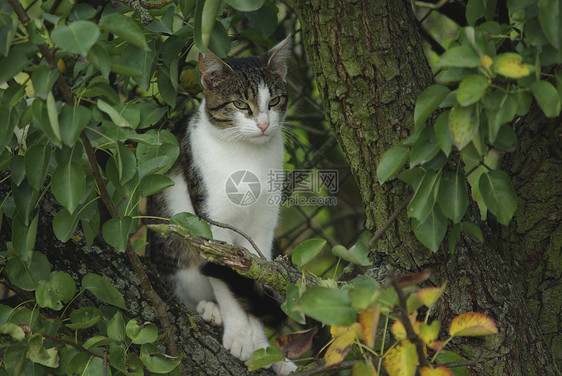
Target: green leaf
x,y
24,199
77,38
116,232
442,133
159,155
166,87
391,161
357,254
99,57
499,195
83,318
453,195
292,295
116,327
53,115
506,139
329,306
264,357
205,16
424,198
27,275
220,41
474,11
72,121
68,184
85,365
124,27
103,290
549,18
12,64
140,334
463,125
155,361
264,19
59,288
13,330
43,79
8,28
471,89
151,184
37,159
23,237
115,116
427,102
64,225
150,114
459,56
126,163
547,97
245,5
425,148
463,226
193,224
432,230
497,118
307,250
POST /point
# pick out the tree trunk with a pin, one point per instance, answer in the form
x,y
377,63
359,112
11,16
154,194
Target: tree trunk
x,y
369,66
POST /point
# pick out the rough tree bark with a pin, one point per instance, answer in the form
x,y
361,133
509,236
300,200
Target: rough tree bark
x,y
369,65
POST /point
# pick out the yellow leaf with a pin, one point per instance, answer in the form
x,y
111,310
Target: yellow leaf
x,y
429,333
337,331
429,295
472,324
486,61
369,321
340,347
401,360
439,371
511,65
399,330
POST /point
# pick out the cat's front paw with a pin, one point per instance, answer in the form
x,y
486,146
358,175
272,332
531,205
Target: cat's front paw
x,y
284,368
210,312
239,342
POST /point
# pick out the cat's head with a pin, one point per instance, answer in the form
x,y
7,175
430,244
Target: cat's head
x,y
246,97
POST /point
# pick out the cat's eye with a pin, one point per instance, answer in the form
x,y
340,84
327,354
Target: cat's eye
x,y
274,102
241,105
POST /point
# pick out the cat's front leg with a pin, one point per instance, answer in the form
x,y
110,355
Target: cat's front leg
x,y
240,331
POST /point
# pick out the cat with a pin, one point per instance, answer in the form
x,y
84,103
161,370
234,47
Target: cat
x,y
233,138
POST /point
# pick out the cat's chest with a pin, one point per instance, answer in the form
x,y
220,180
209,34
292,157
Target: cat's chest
x,y
234,173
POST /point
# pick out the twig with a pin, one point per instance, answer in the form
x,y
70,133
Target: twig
x,y
232,228
157,302
412,336
391,219
328,368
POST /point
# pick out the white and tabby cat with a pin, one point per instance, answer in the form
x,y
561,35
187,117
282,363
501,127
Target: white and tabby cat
x,y
236,128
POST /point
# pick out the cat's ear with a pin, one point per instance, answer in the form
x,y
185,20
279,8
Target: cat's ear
x,y
277,57
211,66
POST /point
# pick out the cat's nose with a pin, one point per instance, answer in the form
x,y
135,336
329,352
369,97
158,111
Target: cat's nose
x,y
263,125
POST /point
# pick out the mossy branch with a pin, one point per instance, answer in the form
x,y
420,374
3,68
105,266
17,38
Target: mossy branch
x,y
277,274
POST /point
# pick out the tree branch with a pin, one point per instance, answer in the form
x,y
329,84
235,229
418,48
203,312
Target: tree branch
x,y
276,274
